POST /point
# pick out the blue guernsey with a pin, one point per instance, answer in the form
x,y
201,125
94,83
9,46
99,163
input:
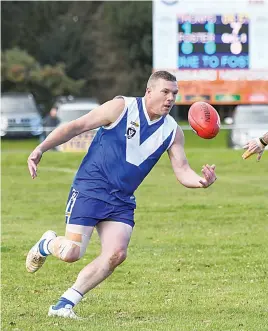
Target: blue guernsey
x,y
122,154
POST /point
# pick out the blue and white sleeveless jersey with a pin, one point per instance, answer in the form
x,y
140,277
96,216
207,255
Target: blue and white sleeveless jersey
x,y
122,154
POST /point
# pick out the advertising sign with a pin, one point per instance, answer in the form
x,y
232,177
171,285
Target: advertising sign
x,y
217,49
79,143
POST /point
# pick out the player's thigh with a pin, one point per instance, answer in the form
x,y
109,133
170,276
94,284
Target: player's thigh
x,y
114,235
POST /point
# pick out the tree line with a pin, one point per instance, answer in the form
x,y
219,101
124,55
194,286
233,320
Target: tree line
x,y
84,48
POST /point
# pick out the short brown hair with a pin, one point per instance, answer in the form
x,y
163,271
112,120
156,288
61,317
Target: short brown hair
x,y
161,74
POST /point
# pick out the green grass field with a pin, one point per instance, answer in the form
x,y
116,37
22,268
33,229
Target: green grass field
x,y
197,260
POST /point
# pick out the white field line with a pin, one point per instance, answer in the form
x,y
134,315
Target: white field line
x,y
66,170
54,169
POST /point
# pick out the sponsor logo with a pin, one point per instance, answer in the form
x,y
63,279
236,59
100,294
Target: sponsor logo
x,y
194,98
205,109
258,97
135,124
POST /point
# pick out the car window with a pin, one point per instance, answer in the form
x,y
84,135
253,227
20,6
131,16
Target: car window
x,y
69,112
17,105
256,116
67,115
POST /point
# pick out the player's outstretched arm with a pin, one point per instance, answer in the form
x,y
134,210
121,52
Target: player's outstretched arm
x,y
103,115
256,146
185,175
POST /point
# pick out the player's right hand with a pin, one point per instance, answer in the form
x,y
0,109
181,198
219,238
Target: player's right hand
x,y
33,159
254,146
209,175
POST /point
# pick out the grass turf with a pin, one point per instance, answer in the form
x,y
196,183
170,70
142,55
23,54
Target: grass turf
x,y
197,260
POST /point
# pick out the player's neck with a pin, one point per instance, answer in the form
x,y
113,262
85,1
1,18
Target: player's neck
x,y
151,114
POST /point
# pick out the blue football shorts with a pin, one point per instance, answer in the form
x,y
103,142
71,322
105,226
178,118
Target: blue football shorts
x,y
84,210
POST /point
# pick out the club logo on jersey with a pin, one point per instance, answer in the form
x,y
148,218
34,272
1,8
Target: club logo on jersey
x,y
131,131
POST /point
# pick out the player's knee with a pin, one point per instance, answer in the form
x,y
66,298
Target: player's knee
x,y
72,255
67,250
116,258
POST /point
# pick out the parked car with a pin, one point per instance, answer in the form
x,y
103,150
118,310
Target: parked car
x,y
19,115
71,110
248,122
78,107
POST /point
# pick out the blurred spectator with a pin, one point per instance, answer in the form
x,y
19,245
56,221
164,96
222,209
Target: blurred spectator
x,y
50,122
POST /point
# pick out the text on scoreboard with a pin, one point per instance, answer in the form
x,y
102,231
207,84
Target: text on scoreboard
x,y
213,41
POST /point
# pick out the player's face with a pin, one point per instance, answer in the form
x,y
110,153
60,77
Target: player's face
x,y
161,97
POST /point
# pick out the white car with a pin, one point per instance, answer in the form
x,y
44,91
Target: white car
x,y
70,111
19,116
248,122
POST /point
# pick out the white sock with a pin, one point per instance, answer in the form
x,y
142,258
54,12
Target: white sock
x,y
43,247
73,296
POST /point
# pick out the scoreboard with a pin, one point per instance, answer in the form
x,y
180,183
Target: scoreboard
x,y
213,42
216,49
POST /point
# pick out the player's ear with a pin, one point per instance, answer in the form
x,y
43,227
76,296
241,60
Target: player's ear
x,y
148,90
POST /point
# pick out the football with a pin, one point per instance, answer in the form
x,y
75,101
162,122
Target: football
x,y
204,120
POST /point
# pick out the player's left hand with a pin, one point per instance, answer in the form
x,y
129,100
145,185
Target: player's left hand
x,y
254,146
209,175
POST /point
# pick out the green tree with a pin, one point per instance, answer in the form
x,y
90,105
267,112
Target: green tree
x,y
123,37
22,72
106,43
52,32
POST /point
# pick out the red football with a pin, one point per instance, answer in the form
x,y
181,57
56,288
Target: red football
x,y
204,120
